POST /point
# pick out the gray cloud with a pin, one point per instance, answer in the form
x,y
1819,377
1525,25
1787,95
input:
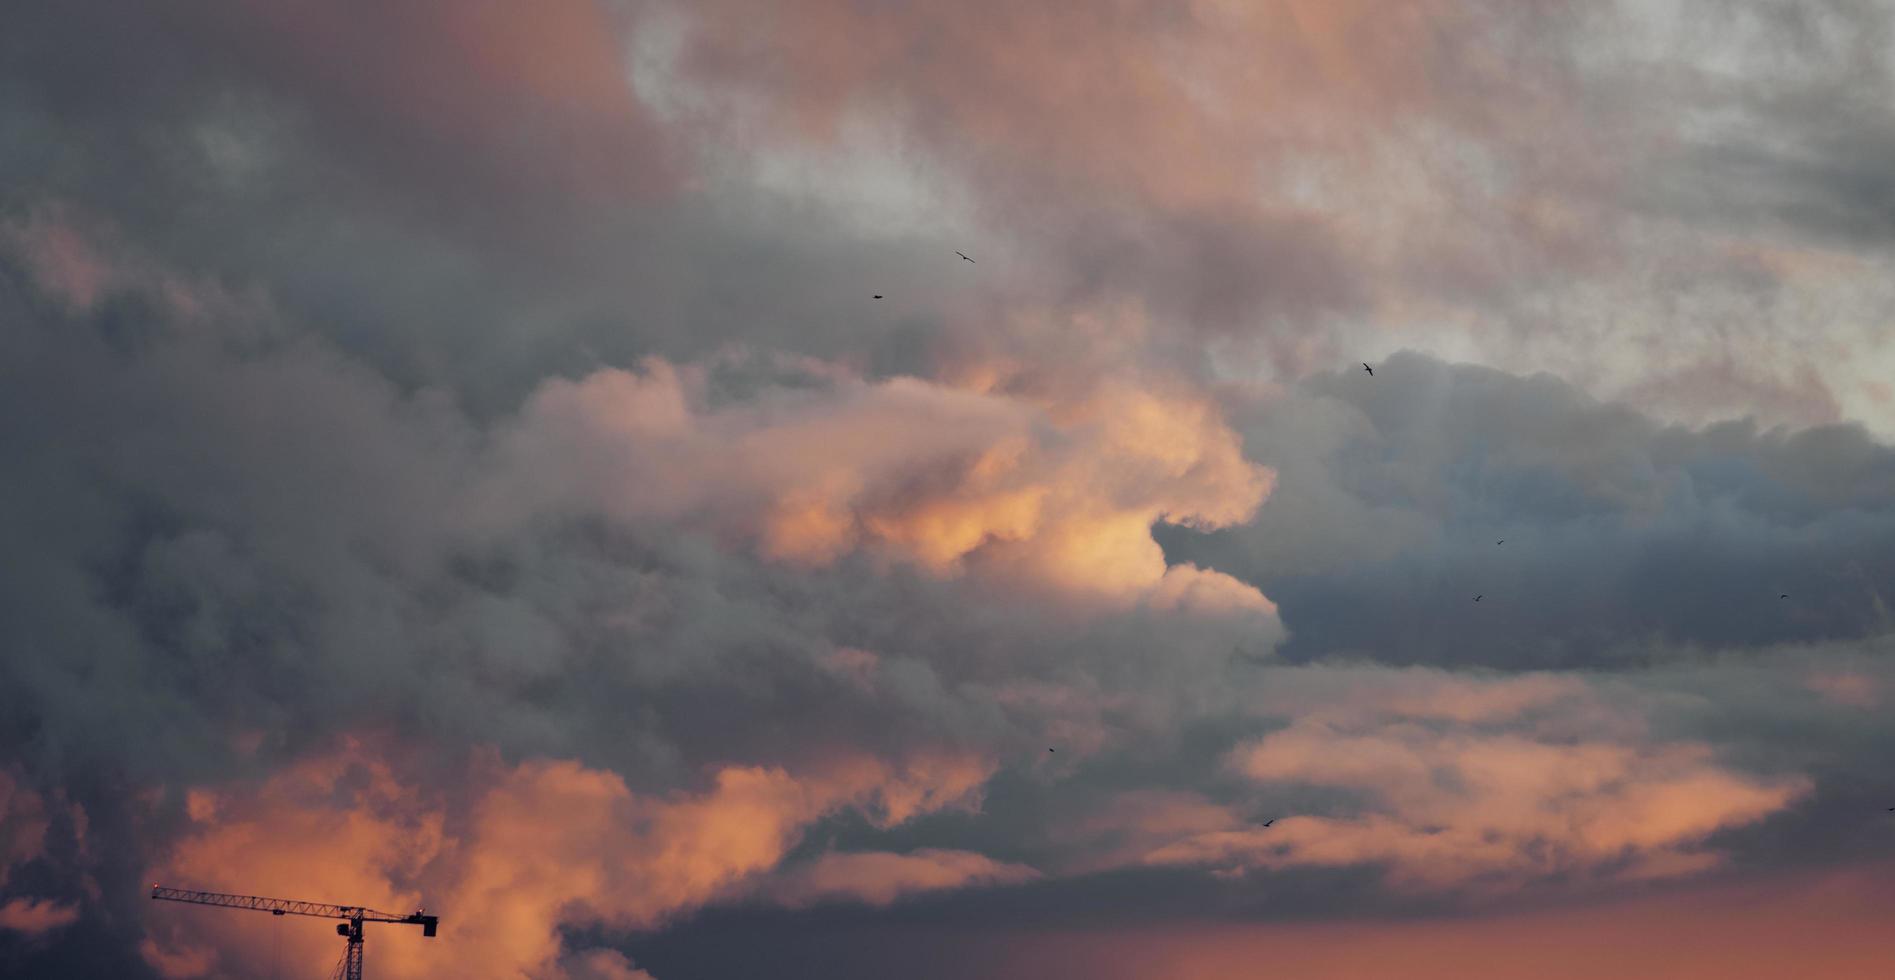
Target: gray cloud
x,y
1622,535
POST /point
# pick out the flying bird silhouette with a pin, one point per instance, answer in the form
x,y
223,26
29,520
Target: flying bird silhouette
x,y
964,255
878,295
1272,820
1501,541
1365,367
1785,595
1477,598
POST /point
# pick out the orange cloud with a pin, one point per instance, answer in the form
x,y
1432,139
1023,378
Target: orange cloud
x,y
344,828
879,878
36,917
603,964
508,860
1059,491
1446,799
23,824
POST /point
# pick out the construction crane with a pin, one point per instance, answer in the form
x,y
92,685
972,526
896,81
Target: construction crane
x,y
351,966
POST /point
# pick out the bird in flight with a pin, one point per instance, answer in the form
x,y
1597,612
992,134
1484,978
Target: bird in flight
x,y
1501,541
1272,820
1785,595
1365,367
964,255
1049,750
1477,598
878,295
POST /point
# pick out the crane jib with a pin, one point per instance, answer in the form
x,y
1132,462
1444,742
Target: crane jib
x,y
351,967
285,906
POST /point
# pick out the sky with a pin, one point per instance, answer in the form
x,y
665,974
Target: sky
x,y
548,464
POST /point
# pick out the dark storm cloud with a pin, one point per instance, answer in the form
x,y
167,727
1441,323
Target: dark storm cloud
x,y
234,544
274,544
437,233
261,532
1623,535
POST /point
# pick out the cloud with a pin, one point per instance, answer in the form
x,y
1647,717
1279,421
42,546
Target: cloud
x,y
513,402
882,878
1060,491
1489,784
1846,688
36,917
1133,824
604,964
1322,183
23,824
1623,536
492,98
1377,181
1028,114
511,857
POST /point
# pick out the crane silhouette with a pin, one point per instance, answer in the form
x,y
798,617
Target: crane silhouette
x,y
351,966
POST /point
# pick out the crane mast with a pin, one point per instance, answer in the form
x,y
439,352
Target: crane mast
x,y
355,916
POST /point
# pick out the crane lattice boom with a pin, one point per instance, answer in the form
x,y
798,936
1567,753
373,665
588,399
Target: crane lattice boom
x,y
285,906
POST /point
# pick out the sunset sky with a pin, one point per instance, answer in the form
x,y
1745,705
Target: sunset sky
x,y
453,454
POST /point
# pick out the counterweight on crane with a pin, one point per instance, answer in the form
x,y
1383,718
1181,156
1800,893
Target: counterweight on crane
x,y
351,967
